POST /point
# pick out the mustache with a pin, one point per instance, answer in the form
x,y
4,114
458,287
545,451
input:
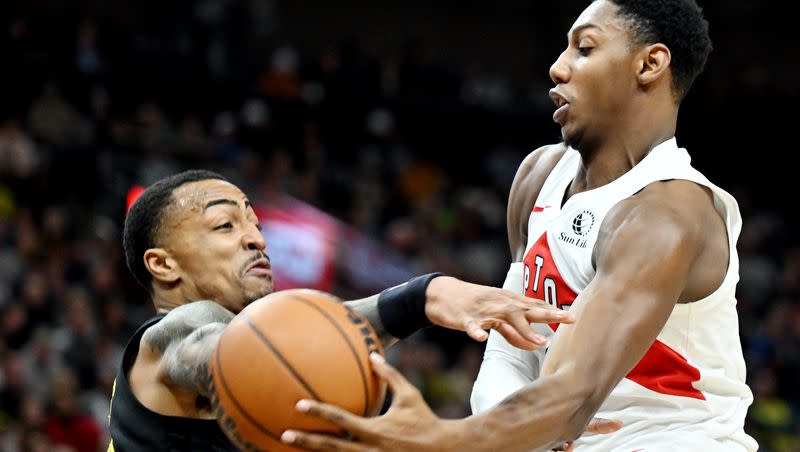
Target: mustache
x,y
256,257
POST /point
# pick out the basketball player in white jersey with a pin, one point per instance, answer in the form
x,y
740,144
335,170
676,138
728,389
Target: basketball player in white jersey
x,y
615,225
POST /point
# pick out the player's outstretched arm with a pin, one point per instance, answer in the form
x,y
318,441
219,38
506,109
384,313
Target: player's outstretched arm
x,y
185,339
474,308
459,305
644,257
408,410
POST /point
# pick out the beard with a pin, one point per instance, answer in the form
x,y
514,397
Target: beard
x,y
253,294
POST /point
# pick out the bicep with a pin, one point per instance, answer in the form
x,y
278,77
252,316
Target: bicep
x,y
643,263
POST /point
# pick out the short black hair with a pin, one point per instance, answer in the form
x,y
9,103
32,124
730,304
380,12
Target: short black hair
x,y
145,218
678,24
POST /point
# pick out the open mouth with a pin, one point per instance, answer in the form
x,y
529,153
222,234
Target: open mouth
x,y
260,267
562,105
558,99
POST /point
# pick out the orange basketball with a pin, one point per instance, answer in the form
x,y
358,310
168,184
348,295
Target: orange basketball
x,y
291,345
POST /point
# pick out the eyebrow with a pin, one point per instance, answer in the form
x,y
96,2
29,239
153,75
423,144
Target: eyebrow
x,y
231,202
582,27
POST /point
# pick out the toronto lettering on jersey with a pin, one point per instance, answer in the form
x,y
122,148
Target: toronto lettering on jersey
x,y
542,279
580,243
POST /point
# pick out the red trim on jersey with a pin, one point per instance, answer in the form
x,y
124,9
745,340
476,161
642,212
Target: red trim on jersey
x,y
664,370
540,208
562,295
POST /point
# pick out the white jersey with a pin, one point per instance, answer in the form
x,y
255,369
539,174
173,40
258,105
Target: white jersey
x,y
689,389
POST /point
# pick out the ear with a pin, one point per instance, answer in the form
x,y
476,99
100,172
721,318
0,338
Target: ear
x,y
161,265
653,64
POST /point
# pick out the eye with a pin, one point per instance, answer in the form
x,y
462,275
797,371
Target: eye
x,y
259,227
227,225
585,51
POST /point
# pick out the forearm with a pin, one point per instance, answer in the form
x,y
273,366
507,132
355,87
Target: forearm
x,y
368,307
398,311
540,416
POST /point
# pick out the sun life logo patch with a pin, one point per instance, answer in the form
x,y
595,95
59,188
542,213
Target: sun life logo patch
x,y
583,223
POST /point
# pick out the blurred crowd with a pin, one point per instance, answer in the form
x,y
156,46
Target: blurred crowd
x,y
413,152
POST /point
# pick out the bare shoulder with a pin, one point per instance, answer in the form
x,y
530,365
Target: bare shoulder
x,y
681,203
528,182
182,321
669,218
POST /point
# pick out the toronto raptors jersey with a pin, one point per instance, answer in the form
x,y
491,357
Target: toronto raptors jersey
x,y
690,385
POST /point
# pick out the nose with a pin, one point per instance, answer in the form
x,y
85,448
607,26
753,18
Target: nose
x,y
253,239
559,71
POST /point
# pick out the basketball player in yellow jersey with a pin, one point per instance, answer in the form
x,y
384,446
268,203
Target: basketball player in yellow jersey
x,y
194,236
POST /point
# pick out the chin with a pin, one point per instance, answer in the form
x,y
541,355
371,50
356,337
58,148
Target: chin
x,y
572,138
261,292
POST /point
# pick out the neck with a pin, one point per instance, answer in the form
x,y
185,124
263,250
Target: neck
x,y
167,299
163,307
618,151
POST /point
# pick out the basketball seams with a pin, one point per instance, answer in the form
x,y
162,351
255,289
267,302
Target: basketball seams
x,y
349,344
235,401
291,365
280,356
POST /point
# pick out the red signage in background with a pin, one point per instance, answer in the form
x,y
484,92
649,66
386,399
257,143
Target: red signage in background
x,y
301,244
311,249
